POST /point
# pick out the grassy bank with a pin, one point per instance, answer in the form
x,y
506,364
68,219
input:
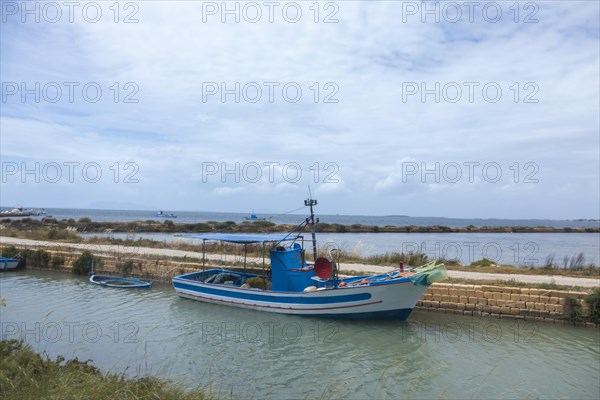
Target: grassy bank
x,y
25,374
65,228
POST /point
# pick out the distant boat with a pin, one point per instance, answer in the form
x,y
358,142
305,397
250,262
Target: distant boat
x,y
9,263
162,214
254,217
17,212
118,282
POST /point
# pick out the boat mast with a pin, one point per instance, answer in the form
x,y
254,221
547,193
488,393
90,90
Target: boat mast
x,y
310,203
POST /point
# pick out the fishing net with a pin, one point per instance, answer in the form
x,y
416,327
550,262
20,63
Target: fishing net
x,y
429,273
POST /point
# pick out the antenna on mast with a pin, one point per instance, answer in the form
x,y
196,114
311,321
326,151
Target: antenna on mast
x,y
311,220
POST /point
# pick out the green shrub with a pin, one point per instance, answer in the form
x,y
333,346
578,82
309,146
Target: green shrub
x,y
84,263
10,252
57,261
593,302
39,259
415,259
448,261
59,234
127,267
573,310
262,224
227,225
484,262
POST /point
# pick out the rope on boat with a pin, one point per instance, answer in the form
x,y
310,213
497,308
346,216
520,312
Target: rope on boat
x,y
289,212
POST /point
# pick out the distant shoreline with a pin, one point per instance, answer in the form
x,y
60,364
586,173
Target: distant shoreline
x,y
152,212
397,220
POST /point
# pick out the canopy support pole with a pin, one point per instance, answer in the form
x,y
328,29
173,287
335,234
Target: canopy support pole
x,y
203,255
263,254
310,203
245,250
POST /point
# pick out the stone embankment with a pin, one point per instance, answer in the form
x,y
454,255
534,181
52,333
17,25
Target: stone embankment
x,y
529,304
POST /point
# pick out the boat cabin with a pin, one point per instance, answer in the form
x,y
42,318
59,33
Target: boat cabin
x,y
289,270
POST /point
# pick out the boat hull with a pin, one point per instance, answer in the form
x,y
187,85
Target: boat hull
x,y
393,300
8,263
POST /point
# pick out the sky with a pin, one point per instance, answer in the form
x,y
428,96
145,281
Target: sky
x,y
487,110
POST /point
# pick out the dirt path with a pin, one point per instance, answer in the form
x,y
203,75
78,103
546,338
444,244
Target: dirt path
x,y
362,268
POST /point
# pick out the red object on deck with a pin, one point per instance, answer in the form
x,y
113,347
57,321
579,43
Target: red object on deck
x,y
323,268
401,266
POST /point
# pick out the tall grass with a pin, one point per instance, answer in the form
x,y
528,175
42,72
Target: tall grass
x,y
25,374
575,262
65,235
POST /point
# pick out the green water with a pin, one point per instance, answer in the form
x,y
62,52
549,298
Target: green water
x,y
251,354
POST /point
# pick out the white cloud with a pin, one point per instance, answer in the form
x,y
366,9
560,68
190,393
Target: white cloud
x,y
369,56
227,191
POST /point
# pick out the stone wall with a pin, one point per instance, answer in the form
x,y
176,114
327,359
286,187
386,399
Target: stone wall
x,y
501,302
158,269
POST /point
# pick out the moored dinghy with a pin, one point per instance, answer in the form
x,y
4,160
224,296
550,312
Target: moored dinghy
x,y
118,282
9,263
299,288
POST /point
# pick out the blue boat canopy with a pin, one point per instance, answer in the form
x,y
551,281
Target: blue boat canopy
x,y
240,238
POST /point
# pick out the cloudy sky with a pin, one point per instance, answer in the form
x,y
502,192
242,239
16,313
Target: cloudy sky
x,y
382,107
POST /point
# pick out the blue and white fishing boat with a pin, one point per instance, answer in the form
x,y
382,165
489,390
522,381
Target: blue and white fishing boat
x,y
253,217
297,287
9,263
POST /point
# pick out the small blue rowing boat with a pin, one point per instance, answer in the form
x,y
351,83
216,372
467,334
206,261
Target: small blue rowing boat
x,y
118,282
9,263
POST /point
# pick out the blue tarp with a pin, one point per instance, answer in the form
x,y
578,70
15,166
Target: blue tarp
x,y
239,237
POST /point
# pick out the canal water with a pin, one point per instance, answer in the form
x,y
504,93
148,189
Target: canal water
x,y
252,354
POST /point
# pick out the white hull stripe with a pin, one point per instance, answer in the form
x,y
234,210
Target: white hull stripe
x,y
277,307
